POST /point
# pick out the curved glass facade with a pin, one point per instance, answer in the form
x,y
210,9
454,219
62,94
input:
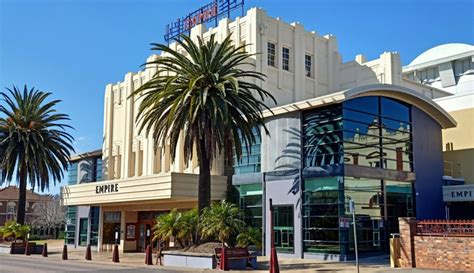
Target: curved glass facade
x,y
369,137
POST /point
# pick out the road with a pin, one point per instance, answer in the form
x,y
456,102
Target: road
x,y
24,264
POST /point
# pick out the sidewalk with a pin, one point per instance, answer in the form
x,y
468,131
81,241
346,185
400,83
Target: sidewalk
x,y
378,264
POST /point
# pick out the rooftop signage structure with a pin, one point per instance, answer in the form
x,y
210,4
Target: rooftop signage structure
x,y
213,11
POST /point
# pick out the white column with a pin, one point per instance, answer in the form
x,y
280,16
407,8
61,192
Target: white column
x,y
108,133
299,50
129,125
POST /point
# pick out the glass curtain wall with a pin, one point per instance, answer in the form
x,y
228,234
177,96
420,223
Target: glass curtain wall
x,y
250,162
71,211
94,231
377,133
323,196
372,132
251,196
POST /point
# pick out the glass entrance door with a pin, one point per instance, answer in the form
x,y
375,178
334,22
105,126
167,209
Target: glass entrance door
x,y
283,228
83,224
145,236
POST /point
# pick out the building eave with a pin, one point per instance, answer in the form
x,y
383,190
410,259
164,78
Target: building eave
x,y
387,90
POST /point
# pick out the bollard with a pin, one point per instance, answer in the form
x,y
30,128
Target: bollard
x,y
115,255
274,266
224,261
45,250
27,249
148,256
88,253
64,257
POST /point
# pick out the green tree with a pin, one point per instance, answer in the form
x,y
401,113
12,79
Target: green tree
x,y
189,225
222,221
202,93
168,225
34,144
250,236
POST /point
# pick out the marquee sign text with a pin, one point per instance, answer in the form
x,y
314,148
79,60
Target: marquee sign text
x,y
107,188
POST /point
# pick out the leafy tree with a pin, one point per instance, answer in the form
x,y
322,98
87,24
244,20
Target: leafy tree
x,y
222,221
168,225
202,93
250,236
34,145
189,225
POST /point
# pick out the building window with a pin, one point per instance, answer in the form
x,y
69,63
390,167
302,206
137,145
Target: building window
x,y
322,206
11,210
271,49
308,65
378,130
250,161
286,59
94,231
462,67
70,232
251,203
72,173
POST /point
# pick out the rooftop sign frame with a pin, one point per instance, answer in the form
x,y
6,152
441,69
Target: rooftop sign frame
x,y
212,11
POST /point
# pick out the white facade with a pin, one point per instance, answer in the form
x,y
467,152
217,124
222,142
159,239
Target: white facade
x,y
449,67
299,65
303,69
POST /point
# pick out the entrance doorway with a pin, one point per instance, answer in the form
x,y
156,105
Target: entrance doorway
x,y
145,235
145,224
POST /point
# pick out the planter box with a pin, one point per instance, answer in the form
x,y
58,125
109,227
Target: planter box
x,y
19,248
189,259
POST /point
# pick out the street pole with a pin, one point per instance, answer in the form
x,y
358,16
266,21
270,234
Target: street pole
x,y
352,209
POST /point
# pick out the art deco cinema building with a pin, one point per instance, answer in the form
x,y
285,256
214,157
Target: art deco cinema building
x,y
339,131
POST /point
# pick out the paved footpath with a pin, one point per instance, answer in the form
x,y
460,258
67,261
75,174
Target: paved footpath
x,y
134,262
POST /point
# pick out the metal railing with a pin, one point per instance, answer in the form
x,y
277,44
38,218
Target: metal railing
x,y
463,228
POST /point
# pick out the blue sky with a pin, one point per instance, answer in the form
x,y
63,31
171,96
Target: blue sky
x,y
73,48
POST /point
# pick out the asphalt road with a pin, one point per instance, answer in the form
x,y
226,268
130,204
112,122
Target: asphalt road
x,y
21,264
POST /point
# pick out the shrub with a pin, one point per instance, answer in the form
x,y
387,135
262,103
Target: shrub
x,y
11,229
221,221
250,236
61,234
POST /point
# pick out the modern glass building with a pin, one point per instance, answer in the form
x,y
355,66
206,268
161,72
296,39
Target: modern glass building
x,y
379,146
82,222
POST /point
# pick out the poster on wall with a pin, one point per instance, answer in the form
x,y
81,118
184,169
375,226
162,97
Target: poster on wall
x,y
130,235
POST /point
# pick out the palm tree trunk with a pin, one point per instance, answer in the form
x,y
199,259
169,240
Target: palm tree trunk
x,y
21,210
204,185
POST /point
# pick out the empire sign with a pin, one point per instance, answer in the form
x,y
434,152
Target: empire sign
x,y
107,188
458,193
212,11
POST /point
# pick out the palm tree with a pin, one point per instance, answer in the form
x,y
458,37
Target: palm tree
x,y
221,220
250,236
168,225
34,145
202,94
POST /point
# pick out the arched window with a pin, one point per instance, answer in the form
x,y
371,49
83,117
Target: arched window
x,y
11,211
11,208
